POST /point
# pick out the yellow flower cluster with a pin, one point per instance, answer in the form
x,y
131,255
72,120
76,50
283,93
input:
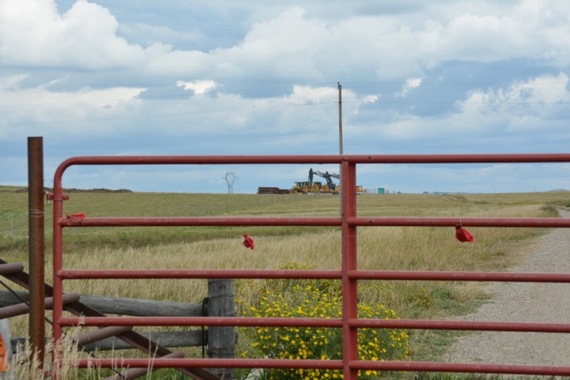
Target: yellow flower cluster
x,y
317,299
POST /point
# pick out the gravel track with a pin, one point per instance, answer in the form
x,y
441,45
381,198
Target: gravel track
x,y
525,302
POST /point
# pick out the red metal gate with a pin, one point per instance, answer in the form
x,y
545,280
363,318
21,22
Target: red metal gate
x,y
349,274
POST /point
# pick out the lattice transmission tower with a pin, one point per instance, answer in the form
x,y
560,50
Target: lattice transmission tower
x,y
230,180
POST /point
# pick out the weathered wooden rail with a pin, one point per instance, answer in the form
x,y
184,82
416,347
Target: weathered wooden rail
x,y
15,303
114,305
219,339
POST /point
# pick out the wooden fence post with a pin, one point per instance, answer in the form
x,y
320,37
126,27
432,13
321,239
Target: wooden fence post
x,y
221,339
36,247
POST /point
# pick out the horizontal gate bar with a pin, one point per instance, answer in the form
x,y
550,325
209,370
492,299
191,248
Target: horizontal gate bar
x,y
471,222
200,321
461,367
310,221
460,276
425,324
328,364
77,274
212,363
318,322
315,159
197,221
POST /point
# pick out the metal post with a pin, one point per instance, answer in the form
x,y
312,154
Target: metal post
x,y
349,263
57,309
36,246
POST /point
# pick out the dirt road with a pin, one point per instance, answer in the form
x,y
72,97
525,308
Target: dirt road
x,y
525,302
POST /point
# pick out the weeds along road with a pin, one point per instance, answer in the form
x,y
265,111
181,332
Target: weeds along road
x,y
525,302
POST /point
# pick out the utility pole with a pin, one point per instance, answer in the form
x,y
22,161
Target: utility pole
x,y
339,118
340,135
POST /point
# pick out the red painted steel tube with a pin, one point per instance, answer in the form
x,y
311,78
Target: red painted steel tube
x,y
349,263
328,364
461,367
315,159
460,276
200,321
77,274
212,363
470,222
311,221
197,221
57,246
423,324
354,323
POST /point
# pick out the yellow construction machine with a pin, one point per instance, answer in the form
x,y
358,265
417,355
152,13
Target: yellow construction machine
x,y
310,186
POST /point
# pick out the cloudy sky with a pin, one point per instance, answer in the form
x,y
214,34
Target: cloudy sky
x,y
135,77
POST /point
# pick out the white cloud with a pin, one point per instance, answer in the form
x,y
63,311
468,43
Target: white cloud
x,y
297,43
485,37
308,94
11,81
161,61
27,110
293,43
14,95
35,34
286,45
410,85
525,113
370,98
199,87
537,96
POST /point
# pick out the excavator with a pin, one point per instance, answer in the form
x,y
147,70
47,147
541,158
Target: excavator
x,y
330,187
312,186
309,186
306,187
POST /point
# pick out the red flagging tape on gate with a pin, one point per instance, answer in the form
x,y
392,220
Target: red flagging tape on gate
x,y
349,274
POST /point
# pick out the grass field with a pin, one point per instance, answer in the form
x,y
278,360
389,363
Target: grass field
x,y
419,248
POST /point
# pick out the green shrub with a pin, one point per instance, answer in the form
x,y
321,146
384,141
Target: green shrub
x,y
316,299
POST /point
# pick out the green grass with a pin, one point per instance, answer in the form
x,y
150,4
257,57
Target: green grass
x,y
407,248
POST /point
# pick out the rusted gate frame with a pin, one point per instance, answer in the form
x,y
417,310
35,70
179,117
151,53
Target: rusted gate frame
x,y
349,274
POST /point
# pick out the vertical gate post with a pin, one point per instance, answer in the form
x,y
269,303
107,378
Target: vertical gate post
x,y
36,246
349,263
221,339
